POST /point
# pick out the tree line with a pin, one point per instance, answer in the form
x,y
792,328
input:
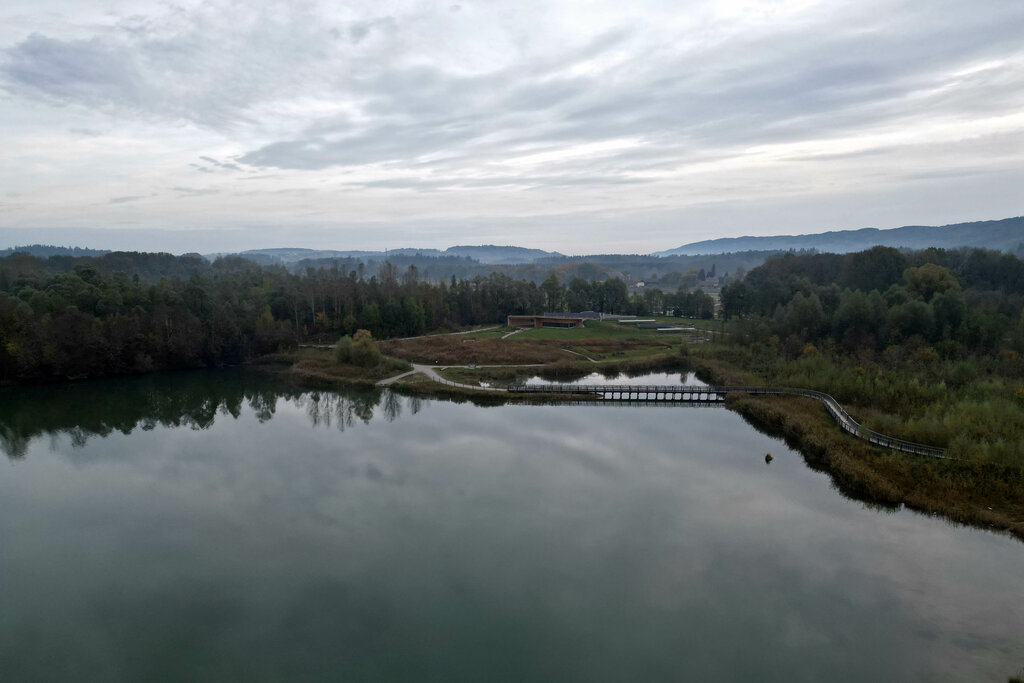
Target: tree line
x,y
128,312
956,301
926,345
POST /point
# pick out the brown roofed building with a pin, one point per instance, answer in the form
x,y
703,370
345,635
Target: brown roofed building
x,y
543,321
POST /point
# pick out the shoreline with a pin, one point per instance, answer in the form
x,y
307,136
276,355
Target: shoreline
x,y
978,494
981,495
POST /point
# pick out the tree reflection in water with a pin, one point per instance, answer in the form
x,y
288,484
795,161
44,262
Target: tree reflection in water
x,y
327,408
187,399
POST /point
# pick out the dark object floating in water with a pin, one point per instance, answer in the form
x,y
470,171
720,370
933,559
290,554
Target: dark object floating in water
x,y
768,458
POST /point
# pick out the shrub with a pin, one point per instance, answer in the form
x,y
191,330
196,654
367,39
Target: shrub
x,y
343,350
360,350
364,351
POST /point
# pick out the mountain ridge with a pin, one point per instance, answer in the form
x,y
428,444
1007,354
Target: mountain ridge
x,y
1006,234
488,254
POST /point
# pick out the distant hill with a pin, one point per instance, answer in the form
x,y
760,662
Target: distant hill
x,y
47,250
487,254
1003,235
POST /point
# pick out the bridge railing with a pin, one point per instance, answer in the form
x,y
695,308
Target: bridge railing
x,y
850,425
832,406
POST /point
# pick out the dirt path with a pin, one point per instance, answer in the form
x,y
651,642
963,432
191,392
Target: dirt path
x,y
392,380
450,334
580,354
431,371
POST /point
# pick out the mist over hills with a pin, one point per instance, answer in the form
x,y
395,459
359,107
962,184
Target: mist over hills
x,y
492,254
746,252
48,250
487,254
1002,235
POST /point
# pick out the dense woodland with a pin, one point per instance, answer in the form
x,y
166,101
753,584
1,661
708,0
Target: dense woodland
x,y
125,312
929,344
959,301
902,331
669,271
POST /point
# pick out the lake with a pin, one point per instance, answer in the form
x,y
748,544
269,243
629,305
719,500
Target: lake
x,y
216,526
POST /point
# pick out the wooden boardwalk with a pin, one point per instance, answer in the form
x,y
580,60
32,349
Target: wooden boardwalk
x,y
713,394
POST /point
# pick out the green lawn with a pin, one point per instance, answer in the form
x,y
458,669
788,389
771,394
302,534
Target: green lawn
x,y
680,322
592,329
609,329
699,323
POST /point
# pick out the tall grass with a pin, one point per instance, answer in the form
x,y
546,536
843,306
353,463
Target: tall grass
x,y
965,406
988,494
452,350
323,368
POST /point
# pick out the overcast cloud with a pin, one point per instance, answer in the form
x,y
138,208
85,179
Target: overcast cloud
x,y
587,127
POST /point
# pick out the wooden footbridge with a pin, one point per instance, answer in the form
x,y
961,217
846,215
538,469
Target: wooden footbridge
x,y
713,394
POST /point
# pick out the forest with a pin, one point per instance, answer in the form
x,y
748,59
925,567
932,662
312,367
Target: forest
x,y
667,270
958,301
125,312
929,344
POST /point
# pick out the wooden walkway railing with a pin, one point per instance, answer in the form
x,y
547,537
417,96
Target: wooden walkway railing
x,y
703,394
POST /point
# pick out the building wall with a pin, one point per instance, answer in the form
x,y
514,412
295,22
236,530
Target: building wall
x,y
543,321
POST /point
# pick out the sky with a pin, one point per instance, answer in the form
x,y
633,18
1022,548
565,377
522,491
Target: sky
x,y
582,127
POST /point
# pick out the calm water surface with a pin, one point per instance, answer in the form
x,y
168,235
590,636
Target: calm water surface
x,y
225,527
623,379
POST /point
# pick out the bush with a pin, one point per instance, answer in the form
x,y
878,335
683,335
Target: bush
x,y
343,350
360,350
364,352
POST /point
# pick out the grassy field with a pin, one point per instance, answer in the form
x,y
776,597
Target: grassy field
x,y
591,329
609,329
318,366
495,333
598,340
699,323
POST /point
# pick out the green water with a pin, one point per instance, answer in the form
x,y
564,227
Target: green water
x,y
226,527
